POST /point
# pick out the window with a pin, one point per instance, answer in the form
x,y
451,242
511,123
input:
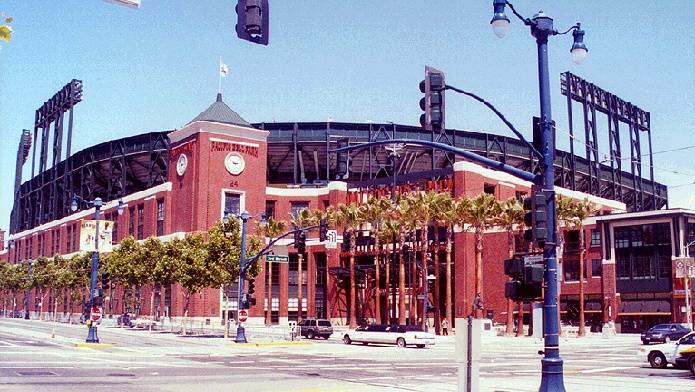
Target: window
x,y
595,237
297,206
596,267
75,237
232,204
141,221
68,230
489,189
160,217
622,238
41,240
131,221
114,230
519,196
30,248
571,270
270,209
56,241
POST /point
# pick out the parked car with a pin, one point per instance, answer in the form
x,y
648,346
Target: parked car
x,y
312,328
685,357
660,355
399,335
664,333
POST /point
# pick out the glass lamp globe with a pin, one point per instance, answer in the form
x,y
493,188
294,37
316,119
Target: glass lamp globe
x,y
500,27
578,55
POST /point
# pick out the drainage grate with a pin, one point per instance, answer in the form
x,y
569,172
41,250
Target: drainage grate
x,y
36,373
120,375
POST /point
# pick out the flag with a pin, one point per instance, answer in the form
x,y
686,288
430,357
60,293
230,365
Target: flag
x,y
224,70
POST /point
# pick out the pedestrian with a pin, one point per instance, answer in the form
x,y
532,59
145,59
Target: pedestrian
x,y
445,327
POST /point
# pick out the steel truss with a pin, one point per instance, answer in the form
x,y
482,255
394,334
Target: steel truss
x,y
108,170
590,176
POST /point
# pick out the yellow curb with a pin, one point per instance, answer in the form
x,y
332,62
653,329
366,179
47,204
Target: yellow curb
x,y
271,344
571,372
93,345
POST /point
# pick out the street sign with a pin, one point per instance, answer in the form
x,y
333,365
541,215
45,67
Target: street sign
x,y
421,296
685,266
331,239
96,313
243,315
277,259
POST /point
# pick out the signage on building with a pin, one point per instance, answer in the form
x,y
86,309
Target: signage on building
x,y
331,239
88,236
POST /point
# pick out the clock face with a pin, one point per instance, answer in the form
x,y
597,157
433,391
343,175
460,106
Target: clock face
x,y
234,163
181,164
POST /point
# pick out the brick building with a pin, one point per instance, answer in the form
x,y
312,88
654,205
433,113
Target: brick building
x,y
219,162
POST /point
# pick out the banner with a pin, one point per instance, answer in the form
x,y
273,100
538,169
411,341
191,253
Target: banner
x,y
88,234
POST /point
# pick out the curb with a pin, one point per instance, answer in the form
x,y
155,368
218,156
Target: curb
x,y
93,345
272,344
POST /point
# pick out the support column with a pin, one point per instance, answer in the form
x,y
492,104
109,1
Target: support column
x,y
284,293
311,284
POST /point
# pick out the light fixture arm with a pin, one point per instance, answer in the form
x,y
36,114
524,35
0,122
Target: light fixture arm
x,y
526,21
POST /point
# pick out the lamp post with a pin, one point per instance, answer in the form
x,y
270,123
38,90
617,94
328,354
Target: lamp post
x,y
542,28
27,291
97,203
240,330
688,310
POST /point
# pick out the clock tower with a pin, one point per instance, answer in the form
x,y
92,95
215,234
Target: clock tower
x,y
217,165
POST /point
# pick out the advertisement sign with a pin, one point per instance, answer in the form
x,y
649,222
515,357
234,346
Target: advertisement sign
x,y
88,235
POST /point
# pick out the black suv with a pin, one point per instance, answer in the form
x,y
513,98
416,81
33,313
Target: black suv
x,y
311,328
663,333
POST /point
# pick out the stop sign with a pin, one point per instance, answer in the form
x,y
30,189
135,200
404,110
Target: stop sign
x,y
243,315
96,313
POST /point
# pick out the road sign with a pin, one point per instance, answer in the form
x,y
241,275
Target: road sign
x,y
243,315
331,239
96,313
685,266
277,259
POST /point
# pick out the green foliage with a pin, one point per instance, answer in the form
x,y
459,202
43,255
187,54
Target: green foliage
x,y
191,264
125,264
5,29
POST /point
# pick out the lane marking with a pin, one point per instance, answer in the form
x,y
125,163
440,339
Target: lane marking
x,y
608,369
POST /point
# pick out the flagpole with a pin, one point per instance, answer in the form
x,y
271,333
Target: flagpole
x,y
219,77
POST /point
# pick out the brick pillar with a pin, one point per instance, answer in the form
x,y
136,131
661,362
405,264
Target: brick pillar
x,y
2,240
284,292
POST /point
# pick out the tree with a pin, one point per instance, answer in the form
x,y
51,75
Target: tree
x,y
151,250
511,217
13,279
373,212
301,220
5,28
81,267
576,214
389,230
442,212
348,216
125,266
271,229
190,256
43,274
480,213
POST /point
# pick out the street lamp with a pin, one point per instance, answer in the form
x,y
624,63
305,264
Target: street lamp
x,y
240,330
92,336
688,310
542,28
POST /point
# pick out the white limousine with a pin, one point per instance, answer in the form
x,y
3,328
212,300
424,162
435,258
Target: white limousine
x,y
399,335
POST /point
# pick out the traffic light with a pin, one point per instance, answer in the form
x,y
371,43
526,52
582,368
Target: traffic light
x,y
433,102
300,241
252,286
526,273
105,280
343,160
535,217
252,21
323,230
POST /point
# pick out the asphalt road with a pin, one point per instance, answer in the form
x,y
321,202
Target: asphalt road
x,y
30,360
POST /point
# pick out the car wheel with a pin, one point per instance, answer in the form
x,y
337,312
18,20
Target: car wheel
x,y
346,339
400,342
420,345
691,365
657,360
325,337
365,343
310,335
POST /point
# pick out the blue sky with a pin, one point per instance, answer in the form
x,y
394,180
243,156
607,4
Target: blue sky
x,y
156,68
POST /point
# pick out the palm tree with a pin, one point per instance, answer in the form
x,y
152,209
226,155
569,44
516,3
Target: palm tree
x,y
511,216
481,213
442,214
301,220
411,219
389,229
348,216
271,229
577,214
373,212
564,207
